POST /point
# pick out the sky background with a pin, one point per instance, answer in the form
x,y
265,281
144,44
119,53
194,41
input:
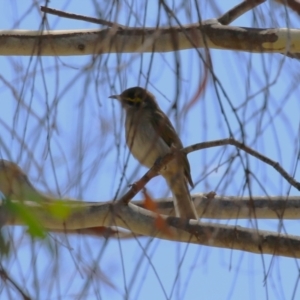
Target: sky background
x,y
57,123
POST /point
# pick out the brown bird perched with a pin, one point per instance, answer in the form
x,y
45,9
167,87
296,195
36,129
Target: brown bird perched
x,y
150,136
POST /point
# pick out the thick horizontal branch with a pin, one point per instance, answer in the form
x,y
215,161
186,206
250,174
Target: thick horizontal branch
x,y
25,203
226,208
140,40
15,185
219,207
144,222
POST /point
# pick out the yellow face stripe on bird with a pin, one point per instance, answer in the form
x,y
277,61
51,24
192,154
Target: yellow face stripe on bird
x,y
133,101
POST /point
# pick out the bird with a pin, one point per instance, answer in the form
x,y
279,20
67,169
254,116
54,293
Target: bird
x,y
150,135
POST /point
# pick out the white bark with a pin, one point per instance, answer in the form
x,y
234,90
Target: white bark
x,y
143,222
136,40
71,215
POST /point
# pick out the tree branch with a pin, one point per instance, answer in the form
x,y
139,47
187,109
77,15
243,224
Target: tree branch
x,y
225,19
97,218
238,11
154,171
147,40
265,159
67,15
120,39
234,207
5,277
143,222
292,4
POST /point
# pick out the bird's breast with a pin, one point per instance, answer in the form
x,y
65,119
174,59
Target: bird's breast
x,y
143,141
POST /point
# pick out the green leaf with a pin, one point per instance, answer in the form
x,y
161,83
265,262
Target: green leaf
x,y
35,229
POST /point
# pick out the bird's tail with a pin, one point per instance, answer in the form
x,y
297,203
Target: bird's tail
x,y
184,206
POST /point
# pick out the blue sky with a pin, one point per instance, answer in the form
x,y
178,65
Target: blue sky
x,y
71,143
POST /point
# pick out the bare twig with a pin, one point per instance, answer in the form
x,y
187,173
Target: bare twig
x,y
151,173
292,4
239,10
63,14
231,141
6,277
225,19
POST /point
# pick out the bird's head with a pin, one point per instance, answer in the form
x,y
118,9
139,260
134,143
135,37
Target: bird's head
x,y
136,97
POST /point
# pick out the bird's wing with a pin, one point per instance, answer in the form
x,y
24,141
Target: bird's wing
x,y
166,131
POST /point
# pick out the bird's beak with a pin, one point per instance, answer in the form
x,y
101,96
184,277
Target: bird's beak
x,y
118,97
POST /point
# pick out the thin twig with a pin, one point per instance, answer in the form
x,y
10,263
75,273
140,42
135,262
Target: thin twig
x,y
231,141
151,173
225,19
292,4
63,14
239,10
6,277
